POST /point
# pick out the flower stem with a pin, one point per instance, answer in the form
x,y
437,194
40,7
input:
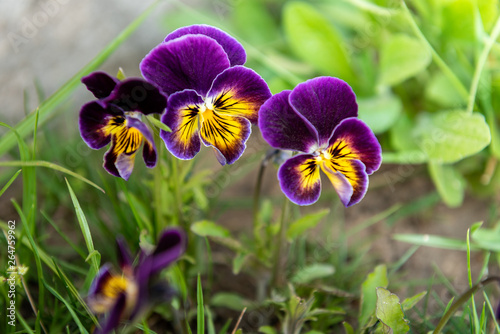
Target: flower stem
x,y
278,264
463,299
177,192
256,194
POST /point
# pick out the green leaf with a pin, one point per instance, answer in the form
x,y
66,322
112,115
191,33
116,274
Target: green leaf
x,y
431,241
207,228
390,313
489,11
255,22
301,225
348,328
312,272
458,20
48,108
159,124
410,302
488,239
440,89
449,183
402,57
450,136
238,262
267,330
376,279
380,112
201,311
399,138
229,300
315,40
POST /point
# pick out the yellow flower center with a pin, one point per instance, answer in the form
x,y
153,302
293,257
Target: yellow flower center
x,y
115,286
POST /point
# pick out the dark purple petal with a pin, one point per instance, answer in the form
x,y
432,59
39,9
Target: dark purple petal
x,y
149,150
182,117
349,178
138,95
171,245
234,50
226,134
100,84
123,253
353,139
188,62
112,321
100,280
239,91
324,102
143,275
300,180
283,128
94,118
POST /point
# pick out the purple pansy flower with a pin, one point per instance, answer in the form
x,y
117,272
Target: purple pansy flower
x,y
116,117
125,296
318,119
213,99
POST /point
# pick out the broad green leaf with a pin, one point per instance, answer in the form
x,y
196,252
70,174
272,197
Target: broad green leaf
x,y
255,22
312,272
450,136
229,300
431,241
449,183
390,313
376,279
440,90
238,262
267,330
207,228
398,134
458,20
402,57
489,10
48,108
301,225
314,39
410,302
380,112
348,328
488,239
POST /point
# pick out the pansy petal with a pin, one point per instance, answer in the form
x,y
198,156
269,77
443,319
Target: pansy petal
x,y
239,91
348,177
283,128
234,50
100,84
300,180
171,245
188,62
227,134
182,117
124,257
138,95
94,123
142,275
100,280
324,102
149,150
353,139
112,321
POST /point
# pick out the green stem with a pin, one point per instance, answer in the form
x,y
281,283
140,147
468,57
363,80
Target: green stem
x,y
439,61
256,194
462,300
177,192
277,269
480,65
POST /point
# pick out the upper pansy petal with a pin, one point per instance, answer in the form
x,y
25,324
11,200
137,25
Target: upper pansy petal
x,y
234,50
300,180
348,177
239,91
138,95
94,123
188,62
182,117
353,139
226,134
100,84
324,102
171,245
124,257
100,280
283,128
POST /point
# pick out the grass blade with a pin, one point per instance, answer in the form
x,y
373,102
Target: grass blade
x,y
7,185
41,163
201,309
47,109
93,254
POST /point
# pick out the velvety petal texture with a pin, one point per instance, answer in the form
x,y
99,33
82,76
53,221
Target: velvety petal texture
x,y
94,122
100,84
231,46
138,95
318,117
188,62
324,102
171,245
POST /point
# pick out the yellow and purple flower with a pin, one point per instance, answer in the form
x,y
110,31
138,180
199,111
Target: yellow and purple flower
x,y
318,119
116,117
213,99
126,296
